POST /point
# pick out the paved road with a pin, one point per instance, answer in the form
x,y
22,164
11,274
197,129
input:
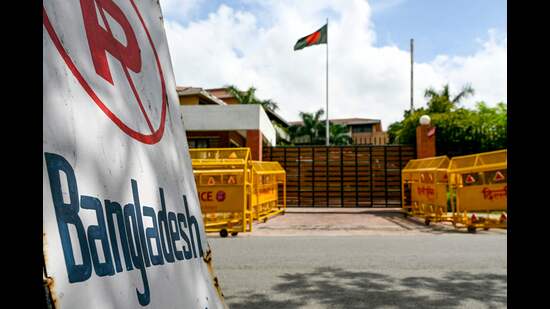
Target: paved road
x,y
441,270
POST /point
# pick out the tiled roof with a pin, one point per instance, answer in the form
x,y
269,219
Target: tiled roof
x,y
187,91
352,121
221,93
346,121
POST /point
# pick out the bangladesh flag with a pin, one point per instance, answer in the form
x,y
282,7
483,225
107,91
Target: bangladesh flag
x,y
317,37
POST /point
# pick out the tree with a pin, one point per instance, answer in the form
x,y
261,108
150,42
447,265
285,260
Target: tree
x,y
249,97
313,131
459,130
441,102
311,127
339,134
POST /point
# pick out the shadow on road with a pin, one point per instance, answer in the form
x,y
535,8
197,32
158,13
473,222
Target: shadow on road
x,y
417,224
338,288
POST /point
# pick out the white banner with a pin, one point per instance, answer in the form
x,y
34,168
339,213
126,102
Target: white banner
x,y
122,223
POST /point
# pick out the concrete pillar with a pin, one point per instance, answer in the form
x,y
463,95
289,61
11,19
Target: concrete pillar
x,y
254,142
425,141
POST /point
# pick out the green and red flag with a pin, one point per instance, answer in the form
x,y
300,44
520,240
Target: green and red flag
x,y
317,37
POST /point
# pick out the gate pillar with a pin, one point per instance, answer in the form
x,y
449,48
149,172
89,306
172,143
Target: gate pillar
x,y
425,139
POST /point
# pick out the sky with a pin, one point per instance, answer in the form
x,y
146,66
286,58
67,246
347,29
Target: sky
x,y
245,43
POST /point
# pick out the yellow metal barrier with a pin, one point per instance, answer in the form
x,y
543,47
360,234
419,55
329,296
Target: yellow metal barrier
x,y
479,183
266,178
234,190
425,187
223,183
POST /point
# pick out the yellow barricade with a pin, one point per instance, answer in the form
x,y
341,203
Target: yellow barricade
x,y
479,183
266,178
425,187
223,184
234,190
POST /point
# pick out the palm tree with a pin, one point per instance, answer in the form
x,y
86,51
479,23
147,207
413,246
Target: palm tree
x,y
441,102
339,134
269,104
314,128
249,97
311,127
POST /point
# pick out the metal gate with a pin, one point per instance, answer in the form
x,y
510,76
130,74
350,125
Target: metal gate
x,y
342,176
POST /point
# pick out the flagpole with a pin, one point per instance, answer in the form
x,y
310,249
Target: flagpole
x,y
327,123
412,65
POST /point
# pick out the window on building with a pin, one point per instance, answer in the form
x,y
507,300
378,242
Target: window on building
x,y
363,128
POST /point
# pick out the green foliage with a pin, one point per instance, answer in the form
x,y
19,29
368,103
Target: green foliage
x,y
339,134
459,130
278,128
313,131
249,97
441,102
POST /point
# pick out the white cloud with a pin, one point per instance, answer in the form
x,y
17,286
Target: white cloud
x,y
230,47
178,9
383,5
486,70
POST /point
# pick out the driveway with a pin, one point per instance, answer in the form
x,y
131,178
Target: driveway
x,y
360,259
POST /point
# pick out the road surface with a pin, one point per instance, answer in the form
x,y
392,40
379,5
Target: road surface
x,y
444,269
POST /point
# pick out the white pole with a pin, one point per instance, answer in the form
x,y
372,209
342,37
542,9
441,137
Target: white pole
x,y
412,64
327,125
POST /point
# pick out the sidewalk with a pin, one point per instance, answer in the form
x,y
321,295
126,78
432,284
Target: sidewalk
x,y
348,222
350,210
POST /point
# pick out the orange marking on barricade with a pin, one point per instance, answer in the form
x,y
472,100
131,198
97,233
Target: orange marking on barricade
x,y
231,180
211,181
233,155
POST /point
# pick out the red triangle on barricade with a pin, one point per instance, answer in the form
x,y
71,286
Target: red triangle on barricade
x,y
470,179
498,176
211,181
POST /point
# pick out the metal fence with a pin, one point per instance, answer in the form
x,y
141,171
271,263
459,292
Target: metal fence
x,y
342,176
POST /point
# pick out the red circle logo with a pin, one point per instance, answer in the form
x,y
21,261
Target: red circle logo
x,y
102,41
220,196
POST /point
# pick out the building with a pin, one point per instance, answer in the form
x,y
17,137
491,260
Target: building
x,y
362,130
280,124
197,96
223,94
365,131
213,123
